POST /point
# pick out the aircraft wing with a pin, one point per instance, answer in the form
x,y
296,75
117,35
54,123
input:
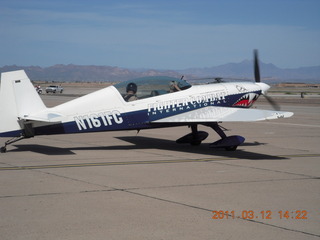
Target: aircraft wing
x,y
224,114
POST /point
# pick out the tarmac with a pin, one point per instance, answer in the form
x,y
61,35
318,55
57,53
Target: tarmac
x,y
129,185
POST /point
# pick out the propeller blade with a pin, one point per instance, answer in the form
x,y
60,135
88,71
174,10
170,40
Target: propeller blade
x,y
264,87
256,66
273,103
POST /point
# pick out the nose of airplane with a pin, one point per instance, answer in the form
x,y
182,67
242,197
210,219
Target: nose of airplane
x,y
264,87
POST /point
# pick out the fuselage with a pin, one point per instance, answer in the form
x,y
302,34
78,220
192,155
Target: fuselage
x,y
106,109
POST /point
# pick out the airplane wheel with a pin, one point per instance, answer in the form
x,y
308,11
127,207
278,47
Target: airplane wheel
x,y
3,149
232,148
193,139
195,143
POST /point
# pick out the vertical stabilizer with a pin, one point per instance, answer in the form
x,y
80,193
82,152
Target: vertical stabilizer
x,y
18,99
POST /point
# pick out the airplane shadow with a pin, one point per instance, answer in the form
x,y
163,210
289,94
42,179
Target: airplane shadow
x,y
42,149
140,142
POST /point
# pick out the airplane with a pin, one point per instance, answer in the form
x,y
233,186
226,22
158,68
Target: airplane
x,y
144,103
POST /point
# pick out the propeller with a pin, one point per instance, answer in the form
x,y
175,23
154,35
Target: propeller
x,y
264,87
256,66
273,103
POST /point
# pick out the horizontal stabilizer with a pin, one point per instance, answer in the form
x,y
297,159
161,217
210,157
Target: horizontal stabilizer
x,y
44,117
224,114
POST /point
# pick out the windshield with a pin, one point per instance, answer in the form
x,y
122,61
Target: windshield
x,y
150,86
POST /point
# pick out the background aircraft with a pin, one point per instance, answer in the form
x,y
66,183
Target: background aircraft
x,y
151,102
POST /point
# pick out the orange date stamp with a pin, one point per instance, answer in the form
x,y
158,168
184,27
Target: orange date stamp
x,y
263,214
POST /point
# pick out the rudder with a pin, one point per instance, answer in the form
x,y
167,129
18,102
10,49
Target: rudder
x,y
18,99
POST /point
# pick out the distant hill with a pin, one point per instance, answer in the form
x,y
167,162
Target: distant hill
x,y
90,73
269,72
81,73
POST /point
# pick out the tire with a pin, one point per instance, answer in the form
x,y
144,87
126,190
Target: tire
x,y
195,143
233,148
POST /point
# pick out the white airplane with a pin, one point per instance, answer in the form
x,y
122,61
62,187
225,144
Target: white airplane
x,y
145,103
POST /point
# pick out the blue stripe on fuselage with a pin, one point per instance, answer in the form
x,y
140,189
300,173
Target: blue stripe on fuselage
x,y
16,133
98,123
113,121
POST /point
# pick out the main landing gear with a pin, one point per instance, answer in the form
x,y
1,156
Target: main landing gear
x,y
229,143
196,137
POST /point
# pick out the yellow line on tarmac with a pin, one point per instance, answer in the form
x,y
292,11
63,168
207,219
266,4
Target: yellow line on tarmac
x,y
140,162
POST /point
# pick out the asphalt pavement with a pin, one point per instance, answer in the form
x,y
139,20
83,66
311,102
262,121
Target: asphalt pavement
x,y
130,185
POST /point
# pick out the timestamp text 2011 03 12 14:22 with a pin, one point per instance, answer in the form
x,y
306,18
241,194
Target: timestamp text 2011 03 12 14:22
x,y
264,214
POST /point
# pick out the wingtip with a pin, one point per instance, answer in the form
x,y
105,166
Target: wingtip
x,y
278,115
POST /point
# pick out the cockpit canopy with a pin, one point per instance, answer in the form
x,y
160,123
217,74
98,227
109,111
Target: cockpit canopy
x,y
153,86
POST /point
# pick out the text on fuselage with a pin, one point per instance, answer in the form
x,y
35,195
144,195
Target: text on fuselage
x,y
97,120
189,102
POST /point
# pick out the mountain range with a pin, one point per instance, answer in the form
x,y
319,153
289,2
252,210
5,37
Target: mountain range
x,y
92,73
269,72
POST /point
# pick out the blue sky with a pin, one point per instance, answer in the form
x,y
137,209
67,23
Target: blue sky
x,y
162,34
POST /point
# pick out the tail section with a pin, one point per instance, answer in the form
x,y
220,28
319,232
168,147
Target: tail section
x,y
18,99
